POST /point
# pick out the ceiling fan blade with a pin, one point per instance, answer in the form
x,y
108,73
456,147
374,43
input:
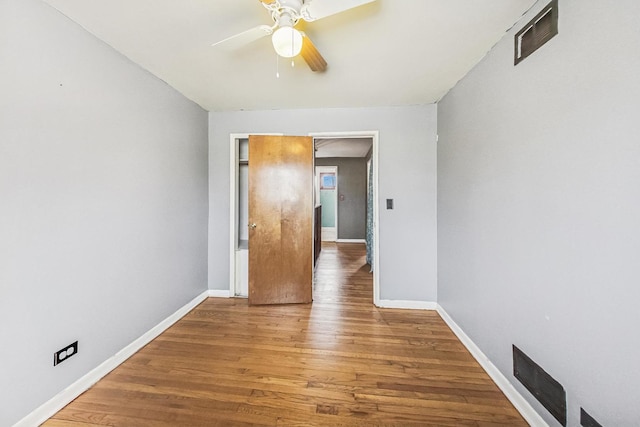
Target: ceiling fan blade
x,y
312,57
313,10
245,37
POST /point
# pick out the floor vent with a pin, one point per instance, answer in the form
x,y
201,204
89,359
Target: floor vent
x,y
547,390
587,420
537,32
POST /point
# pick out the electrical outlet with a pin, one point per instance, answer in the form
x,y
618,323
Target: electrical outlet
x,y
62,355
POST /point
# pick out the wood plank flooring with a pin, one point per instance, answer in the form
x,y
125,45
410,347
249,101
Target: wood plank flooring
x,y
337,362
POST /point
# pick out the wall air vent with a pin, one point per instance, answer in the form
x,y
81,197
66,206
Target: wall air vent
x,y
587,420
547,390
537,32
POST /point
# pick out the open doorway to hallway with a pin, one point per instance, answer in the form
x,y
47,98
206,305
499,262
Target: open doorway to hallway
x,y
238,222
341,177
351,198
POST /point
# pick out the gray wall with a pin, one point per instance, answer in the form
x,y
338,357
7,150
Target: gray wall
x,y
407,172
103,212
539,207
352,183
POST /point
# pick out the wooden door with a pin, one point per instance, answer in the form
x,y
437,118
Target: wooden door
x,y
280,219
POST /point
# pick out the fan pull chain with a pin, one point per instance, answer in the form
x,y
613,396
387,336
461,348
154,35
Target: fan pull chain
x,y
293,64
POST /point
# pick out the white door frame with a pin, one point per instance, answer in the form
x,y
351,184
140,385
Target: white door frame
x,y
318,171
233,201
375,136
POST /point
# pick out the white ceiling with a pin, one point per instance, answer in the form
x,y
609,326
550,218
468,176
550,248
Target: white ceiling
x,y
342,147
386,53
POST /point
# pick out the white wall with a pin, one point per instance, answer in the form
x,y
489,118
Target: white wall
x,y
103,202
407,173
539,207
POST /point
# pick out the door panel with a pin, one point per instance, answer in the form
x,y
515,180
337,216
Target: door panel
x,y
281,207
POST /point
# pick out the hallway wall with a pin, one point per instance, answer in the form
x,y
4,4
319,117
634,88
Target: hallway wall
x,y
352,184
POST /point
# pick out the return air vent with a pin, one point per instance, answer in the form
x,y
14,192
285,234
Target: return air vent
x,y
548,391
537,32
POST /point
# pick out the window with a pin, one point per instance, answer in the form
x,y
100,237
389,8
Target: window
x,y
327,181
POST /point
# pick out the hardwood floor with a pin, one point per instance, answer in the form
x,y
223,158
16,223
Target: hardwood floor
x,y
337,362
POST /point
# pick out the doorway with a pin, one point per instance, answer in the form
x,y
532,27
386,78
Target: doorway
x,y
239,254
327,196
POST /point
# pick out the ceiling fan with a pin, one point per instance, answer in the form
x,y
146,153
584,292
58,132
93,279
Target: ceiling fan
x,y
289,42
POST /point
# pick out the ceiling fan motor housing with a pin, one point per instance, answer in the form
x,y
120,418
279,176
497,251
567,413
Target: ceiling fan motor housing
x,y
286,12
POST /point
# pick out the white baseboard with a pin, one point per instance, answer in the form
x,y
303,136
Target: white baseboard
x,y
351,241
219,293
526,410
411,305
66,396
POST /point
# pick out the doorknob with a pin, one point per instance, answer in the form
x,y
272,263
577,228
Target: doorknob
x,y
253,225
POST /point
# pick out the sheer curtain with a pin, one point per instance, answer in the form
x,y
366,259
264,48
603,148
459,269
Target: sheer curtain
x,y
369,238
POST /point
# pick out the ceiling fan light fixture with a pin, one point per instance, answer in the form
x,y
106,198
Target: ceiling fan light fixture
x,y
287,41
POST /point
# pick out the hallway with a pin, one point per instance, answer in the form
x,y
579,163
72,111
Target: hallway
x,y
337,362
